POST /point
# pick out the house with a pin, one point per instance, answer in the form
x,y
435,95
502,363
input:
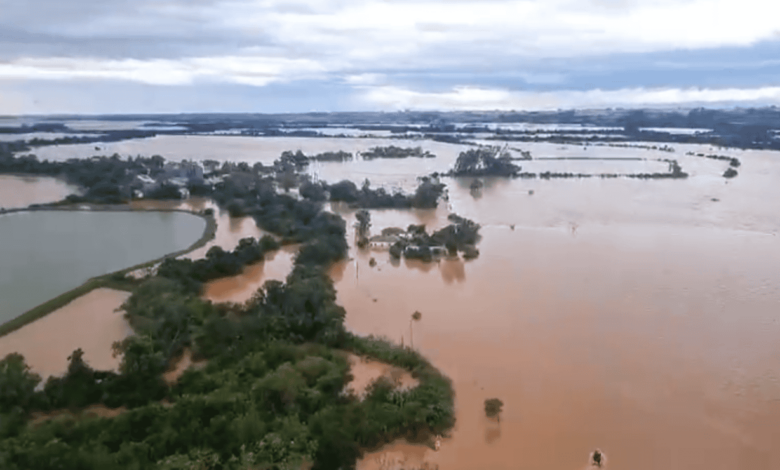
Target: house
x,y
383,241
190,171
147,183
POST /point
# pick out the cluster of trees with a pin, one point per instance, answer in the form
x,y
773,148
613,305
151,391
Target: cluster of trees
x,y
733,161
300,160
461,235
485,161
396,152
426,196
340,156
103,180
270,396
217,262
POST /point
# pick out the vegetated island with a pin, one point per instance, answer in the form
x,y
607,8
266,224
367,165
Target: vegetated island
x,y
462,235
236,186
272,392
496,161
396,152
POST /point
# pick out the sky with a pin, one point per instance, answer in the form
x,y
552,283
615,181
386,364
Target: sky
x,y
268,56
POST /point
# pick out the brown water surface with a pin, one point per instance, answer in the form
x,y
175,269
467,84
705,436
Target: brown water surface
x,y
239,289
638,317
90,322
22,191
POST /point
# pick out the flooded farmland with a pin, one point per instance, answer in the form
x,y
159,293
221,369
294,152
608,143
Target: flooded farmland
x,y
21,191
90,322
47,253
638,317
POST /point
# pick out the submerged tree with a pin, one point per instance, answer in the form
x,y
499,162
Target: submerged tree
x,y
364,223
487,161
493,408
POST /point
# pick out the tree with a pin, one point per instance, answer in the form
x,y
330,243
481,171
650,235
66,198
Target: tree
x,y
364,221
486,161
17,383
427,194
493,408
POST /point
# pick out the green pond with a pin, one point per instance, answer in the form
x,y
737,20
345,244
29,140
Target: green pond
x,y
44,254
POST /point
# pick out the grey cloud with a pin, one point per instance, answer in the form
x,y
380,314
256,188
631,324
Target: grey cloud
x,y
116,29
16,44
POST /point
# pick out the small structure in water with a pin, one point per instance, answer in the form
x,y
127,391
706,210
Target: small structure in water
x,y
597,458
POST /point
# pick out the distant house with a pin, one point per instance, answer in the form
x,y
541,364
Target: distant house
x,y
393,231
147,183
214,180
190,171
179,181
383,241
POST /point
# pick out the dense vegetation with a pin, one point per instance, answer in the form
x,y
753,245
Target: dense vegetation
x,y
461,235
426,196
395,152
241,188
485,161
272,392
103,179
733,162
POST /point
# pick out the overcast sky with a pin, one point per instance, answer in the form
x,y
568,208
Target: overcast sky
x,y
133,56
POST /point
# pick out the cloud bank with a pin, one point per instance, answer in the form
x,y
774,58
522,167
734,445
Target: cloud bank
x,y
450,53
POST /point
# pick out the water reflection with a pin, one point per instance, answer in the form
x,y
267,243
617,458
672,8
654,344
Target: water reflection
x,y
452,270
492,433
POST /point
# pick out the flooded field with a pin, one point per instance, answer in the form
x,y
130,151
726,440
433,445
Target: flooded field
x,y
46,253
657,344
90,322
17,192
240,288
638,317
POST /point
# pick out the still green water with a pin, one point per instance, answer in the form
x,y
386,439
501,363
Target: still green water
x,y
44,254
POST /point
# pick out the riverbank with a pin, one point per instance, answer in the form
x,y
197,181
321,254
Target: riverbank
x,y
114,280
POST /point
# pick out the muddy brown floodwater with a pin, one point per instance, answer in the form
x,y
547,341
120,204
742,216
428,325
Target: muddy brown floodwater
x,y
365,371
641,319
637,317
90,322
239,289
21,191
